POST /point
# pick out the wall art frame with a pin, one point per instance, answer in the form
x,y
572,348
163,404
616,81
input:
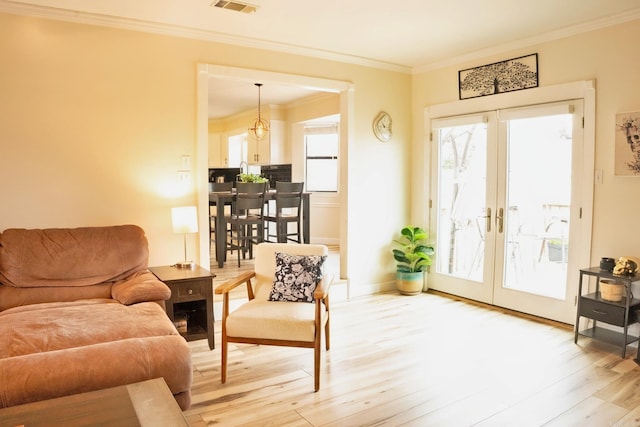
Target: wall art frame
x,y
504,76
627,144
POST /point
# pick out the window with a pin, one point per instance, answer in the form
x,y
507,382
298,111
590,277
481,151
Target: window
x,y
321,147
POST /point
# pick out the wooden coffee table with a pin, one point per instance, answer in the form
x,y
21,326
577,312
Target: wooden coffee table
x,y
147,403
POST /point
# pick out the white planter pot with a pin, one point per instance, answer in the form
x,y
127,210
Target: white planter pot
x,y
410,283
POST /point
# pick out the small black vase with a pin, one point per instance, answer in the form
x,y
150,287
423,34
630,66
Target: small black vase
x,y
607,264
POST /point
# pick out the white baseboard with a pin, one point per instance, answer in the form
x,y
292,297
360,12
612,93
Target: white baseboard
x,y
325,240
369,289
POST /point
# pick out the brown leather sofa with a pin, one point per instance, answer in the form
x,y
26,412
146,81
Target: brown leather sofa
x,y
79,311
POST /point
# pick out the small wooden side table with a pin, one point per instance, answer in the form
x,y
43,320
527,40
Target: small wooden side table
x,y
191,300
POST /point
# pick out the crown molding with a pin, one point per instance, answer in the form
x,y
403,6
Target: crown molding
x,y
7,6
532,41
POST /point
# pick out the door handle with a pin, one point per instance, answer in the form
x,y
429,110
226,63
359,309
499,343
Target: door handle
x,y
488,220
500,220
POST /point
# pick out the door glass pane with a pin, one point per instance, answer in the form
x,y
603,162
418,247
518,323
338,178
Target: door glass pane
x,y
461,201
538,199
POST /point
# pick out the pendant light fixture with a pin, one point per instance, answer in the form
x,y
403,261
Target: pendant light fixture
x,y
259,128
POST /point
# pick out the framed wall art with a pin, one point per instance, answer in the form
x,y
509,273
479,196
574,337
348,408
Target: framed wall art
x,y
627,144
499,77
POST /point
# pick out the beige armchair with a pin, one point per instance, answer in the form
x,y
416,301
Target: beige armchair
x,y
262,320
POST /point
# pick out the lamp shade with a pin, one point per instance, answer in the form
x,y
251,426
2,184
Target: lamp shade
x,y
184,219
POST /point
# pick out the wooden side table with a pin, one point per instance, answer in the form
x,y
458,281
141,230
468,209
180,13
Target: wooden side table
x,y
191,300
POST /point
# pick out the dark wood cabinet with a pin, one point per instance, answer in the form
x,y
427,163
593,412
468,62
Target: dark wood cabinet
x,y
618,313
191,300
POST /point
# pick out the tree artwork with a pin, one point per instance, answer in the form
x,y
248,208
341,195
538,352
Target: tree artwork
x,y
505,76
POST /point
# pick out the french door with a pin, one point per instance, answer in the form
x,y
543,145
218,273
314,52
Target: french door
x,y
507,207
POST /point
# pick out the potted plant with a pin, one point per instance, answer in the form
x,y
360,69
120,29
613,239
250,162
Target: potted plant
x,y
252,177
413,257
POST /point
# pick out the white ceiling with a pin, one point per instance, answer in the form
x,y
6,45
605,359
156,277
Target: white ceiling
x,y
229,97
401,35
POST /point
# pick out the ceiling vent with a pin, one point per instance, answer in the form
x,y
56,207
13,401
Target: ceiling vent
x,y
234,5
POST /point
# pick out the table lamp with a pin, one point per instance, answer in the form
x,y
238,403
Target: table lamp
x,y
185,220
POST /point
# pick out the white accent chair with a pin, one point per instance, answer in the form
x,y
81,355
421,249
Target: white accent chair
x,y
260,321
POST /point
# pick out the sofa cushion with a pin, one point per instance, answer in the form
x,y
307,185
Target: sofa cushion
x,y
10,296
46,375
72,256
56,349
142,286
59,326
291,321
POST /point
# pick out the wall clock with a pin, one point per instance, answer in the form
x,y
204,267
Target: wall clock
x,y
382,127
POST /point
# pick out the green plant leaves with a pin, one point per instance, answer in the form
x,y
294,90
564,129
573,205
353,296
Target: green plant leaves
x,y
252,177
414,254
428,250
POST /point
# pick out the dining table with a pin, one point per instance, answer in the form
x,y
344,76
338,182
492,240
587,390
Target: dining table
x,y
221,199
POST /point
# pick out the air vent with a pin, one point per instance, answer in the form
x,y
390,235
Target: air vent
x,y
234,5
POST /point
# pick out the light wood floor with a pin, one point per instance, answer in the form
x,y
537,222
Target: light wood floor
x,y
427,360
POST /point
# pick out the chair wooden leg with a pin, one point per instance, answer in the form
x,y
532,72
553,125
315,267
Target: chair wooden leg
x,y
240,236
279,232
316,364
250,241
223,365
327,333
316,346
223,358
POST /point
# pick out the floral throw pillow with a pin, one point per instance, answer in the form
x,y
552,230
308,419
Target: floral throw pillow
x,y
296,277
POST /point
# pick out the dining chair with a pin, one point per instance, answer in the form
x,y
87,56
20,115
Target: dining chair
x,y
288,293
217,187
287,210
246,218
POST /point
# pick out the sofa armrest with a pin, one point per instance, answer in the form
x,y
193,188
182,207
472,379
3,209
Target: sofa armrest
x,y
141,287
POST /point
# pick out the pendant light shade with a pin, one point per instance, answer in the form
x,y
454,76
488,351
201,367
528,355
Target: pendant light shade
x,y
259,128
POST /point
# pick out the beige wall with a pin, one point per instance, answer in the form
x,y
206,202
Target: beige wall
x,y
607,56
94,122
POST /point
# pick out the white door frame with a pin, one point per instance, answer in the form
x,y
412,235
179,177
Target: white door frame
x,y
345,89
584,90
